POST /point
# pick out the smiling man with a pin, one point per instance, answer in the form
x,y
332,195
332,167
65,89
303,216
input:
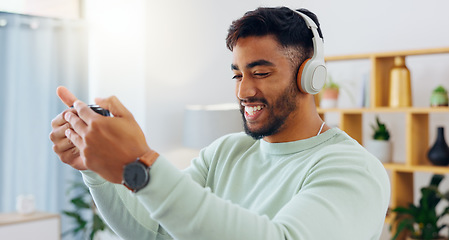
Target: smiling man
x,y
289,177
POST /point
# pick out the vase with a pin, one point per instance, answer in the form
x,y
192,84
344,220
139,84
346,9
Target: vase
x,y
400,85
381,149
439,152
329,98
438,99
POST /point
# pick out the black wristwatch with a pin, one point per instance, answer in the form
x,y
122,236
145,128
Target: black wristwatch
x,y
136,175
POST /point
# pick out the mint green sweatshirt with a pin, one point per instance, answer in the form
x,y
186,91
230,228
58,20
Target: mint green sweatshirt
x,y
324,187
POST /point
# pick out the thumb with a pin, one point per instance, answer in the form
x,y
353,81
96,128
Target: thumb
x,y
114,106
66,96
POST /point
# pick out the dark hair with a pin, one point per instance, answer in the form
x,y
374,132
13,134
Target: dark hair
x,y
288,27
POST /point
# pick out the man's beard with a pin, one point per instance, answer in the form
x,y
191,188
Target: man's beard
x,y
278,112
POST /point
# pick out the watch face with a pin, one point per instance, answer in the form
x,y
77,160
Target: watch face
x,y
135,175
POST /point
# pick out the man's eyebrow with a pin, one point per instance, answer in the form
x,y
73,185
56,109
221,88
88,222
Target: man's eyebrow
x,y
254,64
259,63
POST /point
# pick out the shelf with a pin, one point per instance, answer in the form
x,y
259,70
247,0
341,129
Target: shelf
x,y
388,54
413,110
416,122
381,64
14,218
400,167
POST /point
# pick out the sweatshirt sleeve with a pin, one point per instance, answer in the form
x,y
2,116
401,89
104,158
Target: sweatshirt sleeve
x,y
175,205
122,211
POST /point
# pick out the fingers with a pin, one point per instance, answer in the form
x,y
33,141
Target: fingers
x,y
77,124
59,125
66,96
58,132
63,145
60,142
84,112
72,157
114,106
74,138
59,119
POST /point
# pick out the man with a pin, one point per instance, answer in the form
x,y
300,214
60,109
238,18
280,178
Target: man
x,y
293,177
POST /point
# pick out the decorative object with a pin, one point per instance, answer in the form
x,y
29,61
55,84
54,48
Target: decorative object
x,y
438,154
379,145
400,85
205,123
421,221
329,94
84,207
25,204
439,97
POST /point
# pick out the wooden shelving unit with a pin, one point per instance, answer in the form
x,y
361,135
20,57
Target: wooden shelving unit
x,y
416,122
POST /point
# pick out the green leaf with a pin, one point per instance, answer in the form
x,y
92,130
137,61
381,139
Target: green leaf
x,y
405,224
80,227
436,179
98,223
71,214
80,203
380,131
83,201
440,89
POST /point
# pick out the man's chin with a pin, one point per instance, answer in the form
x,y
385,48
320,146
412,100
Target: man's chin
x,y
255,133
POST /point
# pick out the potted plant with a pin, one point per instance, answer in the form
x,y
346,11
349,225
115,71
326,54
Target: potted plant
x,y
329,94
87,221
439,97
421,221
379,145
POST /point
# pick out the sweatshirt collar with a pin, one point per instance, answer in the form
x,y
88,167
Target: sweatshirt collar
x,y
297,146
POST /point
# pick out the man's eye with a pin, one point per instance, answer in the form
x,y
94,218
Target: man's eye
x,y
237,77
261,74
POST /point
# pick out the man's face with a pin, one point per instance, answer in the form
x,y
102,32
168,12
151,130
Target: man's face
x,y
265,86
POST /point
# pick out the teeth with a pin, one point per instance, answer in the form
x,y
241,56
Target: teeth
x,y
252,110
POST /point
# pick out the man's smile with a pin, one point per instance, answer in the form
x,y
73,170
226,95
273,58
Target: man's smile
x,y
252,110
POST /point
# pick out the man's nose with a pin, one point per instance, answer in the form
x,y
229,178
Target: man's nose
x,y
246,88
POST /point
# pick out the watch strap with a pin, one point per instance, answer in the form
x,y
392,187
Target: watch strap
x,y
148,158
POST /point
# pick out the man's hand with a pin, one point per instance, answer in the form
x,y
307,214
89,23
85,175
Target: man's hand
x,y
105,144
62,146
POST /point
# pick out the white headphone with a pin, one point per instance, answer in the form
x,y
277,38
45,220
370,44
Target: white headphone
x,y
312,72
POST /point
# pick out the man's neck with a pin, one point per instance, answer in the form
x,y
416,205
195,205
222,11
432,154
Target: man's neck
x,y
304,123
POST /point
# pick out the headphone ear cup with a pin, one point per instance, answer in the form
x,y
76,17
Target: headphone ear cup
x,y
299,77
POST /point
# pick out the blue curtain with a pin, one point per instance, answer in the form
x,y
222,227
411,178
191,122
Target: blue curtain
x,y
36,55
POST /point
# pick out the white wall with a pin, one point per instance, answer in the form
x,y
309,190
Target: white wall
x,y
67,9
117,43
